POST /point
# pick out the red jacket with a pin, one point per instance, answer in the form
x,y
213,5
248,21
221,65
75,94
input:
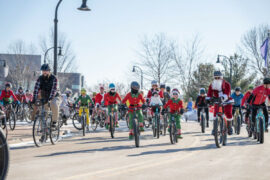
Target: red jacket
x,y
109,99
150,92
7,94
260,94
133,100
99,98
21,97
245,98
175,105
226,89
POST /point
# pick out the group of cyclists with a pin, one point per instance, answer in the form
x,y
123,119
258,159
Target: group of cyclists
x,y
160,99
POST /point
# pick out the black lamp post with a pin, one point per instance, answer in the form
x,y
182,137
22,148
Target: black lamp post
x,y
59,53
82,8
230,61
134,70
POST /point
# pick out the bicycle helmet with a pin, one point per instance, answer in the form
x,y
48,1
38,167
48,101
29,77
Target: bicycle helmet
x,y
154,83
45,67
250,87
237,89
135,85
202,91
175,92
20,88
8,84
266,81
83,90
162,86
111,86
168,88
94,93
68,91
217,74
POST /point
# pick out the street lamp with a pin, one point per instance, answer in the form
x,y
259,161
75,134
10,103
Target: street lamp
x,y
230,61
59,53
134,70
82,8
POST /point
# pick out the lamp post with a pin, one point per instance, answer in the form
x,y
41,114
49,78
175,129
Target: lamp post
x,y
134,70
83,7
230,61
45,55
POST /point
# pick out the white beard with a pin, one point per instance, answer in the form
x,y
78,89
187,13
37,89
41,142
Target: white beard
x,y
217,85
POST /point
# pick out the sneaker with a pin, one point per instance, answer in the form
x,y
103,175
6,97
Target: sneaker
x,y
54,125
179,136
42,139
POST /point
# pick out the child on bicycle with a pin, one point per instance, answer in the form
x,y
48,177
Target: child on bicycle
x,y
237,97
257,99
201,104
176,109
111,100
6,95
134,100
84,101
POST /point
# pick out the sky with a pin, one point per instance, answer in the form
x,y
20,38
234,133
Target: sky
x,y
105,39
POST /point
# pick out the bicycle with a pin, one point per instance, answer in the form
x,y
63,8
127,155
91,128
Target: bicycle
x,y
136,125
165,123
112,122
203,118
4,155
237,120
220,124
43,125
83,120
10,116
99,119
156,122
259,126
250,125
172,128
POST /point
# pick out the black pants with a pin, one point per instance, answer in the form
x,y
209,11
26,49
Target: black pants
x,y
206,113
240,112
265,113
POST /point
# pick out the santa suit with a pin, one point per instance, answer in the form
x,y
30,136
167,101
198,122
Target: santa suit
x,y
223,91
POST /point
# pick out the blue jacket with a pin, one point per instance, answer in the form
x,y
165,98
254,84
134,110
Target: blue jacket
x,y
237,99
189,106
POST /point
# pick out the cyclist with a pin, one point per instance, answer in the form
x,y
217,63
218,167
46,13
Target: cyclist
x,y
154,84
257,98
7,93
29,96
20,95
112,100
176,106
237,97
46,88
65,105
244,102
167,95
220,88
84,101
202,103
134,100
99,99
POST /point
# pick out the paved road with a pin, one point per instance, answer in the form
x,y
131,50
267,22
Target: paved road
x,y
97,156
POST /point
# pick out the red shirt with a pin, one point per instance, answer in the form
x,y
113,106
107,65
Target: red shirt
x,y
7,94
21,97
260,94
99,98
175,105
109,99
245,98
226,89
134,100
150,93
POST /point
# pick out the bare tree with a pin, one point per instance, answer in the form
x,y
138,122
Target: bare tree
x,y
66,62
156,57
250,48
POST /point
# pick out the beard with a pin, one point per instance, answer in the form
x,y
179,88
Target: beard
x,y
217,84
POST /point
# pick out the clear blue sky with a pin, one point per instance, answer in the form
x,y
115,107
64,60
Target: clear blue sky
x,y
106,38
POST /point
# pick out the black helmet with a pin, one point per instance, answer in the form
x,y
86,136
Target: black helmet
x,y
162,86
45,67
237,89
217,74
168,88
8,84
266,81
135,85
27,91
20,88
202,91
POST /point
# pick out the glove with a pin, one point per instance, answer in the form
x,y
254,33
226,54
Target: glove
x,y
224,97
163,111
181,111
50,98
18,102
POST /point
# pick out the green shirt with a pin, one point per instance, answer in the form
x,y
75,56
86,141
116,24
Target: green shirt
x,y
84,100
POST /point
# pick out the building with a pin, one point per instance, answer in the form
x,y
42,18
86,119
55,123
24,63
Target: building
x,y
73,81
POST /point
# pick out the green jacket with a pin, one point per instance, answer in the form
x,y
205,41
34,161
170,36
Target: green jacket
x,y
84,100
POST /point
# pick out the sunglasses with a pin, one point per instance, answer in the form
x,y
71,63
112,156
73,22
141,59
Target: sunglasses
x,y
175,94
217,77
112,89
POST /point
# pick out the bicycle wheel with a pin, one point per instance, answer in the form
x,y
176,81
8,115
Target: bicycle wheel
x,y
136,132
94,124
154,127
172,133
203,123
165,124
4,127
4,155
12,120
224,132
83,124
158,127
218,127
54,132
238,127
261,132
76,121
112,127
38,132
127,120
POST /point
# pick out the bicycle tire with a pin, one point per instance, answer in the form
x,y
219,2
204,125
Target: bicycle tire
x,y
158,127
12,120
94,125
77,122
112,126
154,127
218,133
54,134
165,124
261,125
136,132
175,133
37,128
238,125
83,124
224,134
203,123
127,120
4,156
4,127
